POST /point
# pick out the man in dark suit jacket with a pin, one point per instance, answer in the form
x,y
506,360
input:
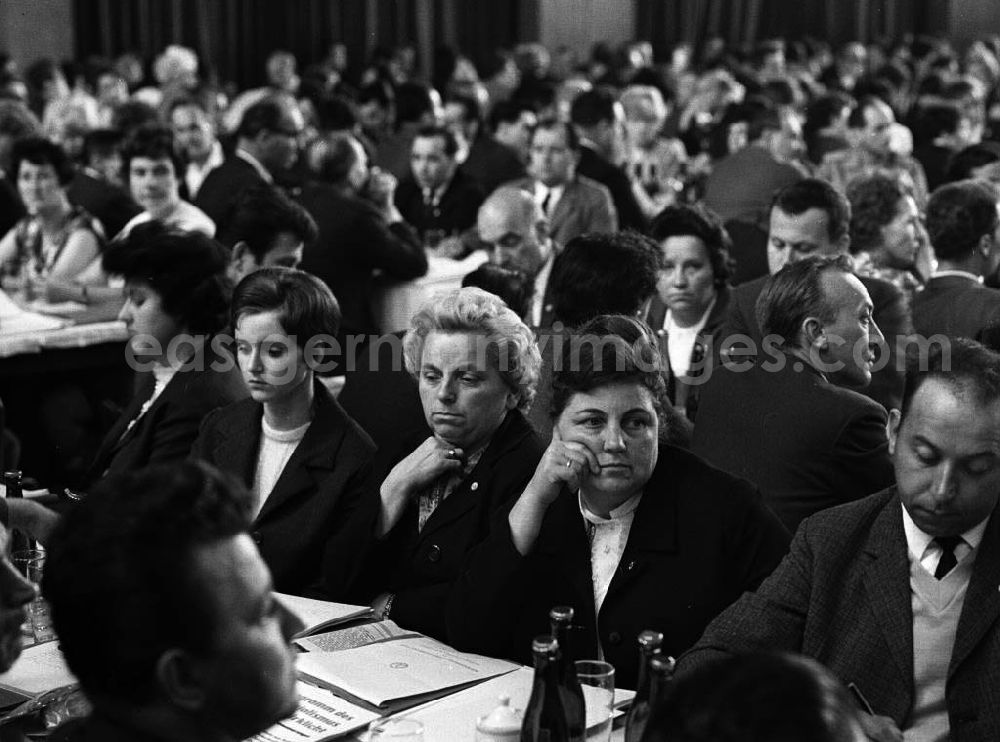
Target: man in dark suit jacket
x,y
357,235
965,232
897,593
107,202
267,143
785,422
810,217
438,198
498,155
599,119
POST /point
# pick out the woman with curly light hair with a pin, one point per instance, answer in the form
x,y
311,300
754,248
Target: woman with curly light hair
x,y
476,365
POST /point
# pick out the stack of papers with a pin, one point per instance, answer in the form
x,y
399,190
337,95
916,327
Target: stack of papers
x,y
321,614
320,716
40,668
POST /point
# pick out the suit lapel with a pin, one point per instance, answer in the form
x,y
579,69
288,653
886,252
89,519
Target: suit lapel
x,y
567,546
887,582
314,457
982,601
237,448
144,384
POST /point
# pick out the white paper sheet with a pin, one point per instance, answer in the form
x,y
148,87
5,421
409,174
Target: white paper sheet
x,y
321,614
320,716
355,636
40,668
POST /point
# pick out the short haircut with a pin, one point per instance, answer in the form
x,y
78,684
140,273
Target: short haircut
x,y
971,158
507,112
514,287
959,362
815,193
413,102
510,345
260,214
554,124
41,151
471,110
857,118
934,120
592,108
331,157
874,202
604,274
822,112
958,215
608,349
102,143
186,101
153,142
698,221
762,116
265,115
120,574
794,293
306,307
439,132
735,699
187,270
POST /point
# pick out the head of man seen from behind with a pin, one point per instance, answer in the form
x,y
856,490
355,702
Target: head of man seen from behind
x,y
817,310
964,226
164,608
514,229
872,122
554,153
808,218
432,157
266,229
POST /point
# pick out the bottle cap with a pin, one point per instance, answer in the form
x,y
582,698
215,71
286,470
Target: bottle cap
x,y
501,723
562,613
661,665
544,643
650,639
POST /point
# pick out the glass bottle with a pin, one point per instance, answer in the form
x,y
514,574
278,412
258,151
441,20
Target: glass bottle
x,y
638,714
561,620
545,717
18,540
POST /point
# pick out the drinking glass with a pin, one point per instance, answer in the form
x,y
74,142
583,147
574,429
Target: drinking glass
x,y
396,730
598,682
31,563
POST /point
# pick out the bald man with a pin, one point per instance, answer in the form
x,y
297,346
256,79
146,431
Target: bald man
x,y
511,224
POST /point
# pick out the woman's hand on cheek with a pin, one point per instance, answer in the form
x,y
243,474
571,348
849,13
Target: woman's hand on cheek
x,y
565,463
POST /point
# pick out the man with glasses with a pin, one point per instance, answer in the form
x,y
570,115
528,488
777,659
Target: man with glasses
x,y
267,143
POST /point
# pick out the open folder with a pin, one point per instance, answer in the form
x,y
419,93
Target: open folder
x,y
318,615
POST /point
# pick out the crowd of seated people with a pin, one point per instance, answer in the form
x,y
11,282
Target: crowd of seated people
x,y
727,369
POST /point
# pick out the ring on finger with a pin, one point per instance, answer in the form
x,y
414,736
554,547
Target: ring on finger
x,y
568,463
451,453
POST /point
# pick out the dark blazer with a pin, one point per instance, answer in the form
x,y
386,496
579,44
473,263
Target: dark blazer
x,y
743,184
420,568
354,240
492,163
685,394
593,165
111,205
955,306
454,213
842,596
11,208
222,186
170,426
890,314
316,525
698,540
585,206
808,444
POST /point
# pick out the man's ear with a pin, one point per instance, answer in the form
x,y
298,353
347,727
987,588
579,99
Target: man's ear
x,y
813,333
179,680
844,244
892,429
242,258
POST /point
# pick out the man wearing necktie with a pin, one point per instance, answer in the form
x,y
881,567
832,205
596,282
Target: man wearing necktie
x,y
899,593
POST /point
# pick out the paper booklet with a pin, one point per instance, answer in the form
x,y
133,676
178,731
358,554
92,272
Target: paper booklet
x,y
320,716
390,671
17,321
355,636
321,614
40,668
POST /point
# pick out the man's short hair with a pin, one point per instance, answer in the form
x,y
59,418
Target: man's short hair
x,y
471,110
697,221
554,124
306,307
260,214
120,574
874,202
971,158
934,120
331,157
413,102
439,132
795,293
857,118
604,274
815,193
592,108
507,112
958,215
154,142
959,362
102,143
264,115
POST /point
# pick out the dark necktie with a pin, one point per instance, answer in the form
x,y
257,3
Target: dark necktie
x,y
948,558
546,202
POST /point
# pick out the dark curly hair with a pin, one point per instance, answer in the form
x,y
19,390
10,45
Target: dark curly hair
x,y
697,221
187,270
874,202
41,151
958,215
154,142
608,349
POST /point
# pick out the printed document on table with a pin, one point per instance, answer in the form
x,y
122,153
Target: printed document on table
x,y
321,614
320,716
355,636
41,668
389,671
